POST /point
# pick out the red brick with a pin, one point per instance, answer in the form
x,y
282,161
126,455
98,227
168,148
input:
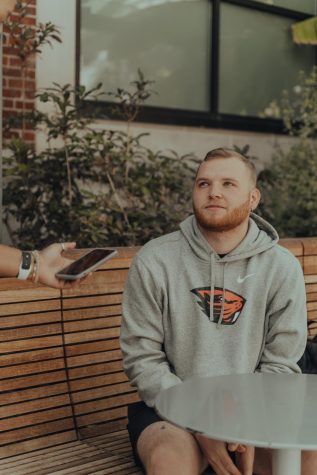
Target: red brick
x,y
29,84
13,72
29,21
31,11
29,106
11,92
29,136
30,73
19,105
10,50
29,94
10,113
14,61
7,103
15,83
22,84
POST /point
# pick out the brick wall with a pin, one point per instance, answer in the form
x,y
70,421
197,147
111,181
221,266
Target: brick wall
x,y
18,83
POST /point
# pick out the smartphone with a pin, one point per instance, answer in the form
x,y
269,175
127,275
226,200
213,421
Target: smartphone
x,y
85,264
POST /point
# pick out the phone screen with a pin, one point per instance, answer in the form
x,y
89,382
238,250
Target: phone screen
x,y
86,261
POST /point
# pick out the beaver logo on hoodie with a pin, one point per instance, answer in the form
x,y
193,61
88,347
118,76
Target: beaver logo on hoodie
x,y
233,304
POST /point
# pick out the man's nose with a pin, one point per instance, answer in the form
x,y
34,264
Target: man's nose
x,y
214,191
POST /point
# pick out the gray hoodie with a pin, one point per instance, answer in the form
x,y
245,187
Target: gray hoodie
x,y
177,324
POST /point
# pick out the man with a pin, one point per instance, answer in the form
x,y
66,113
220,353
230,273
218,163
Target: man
x,y
219,296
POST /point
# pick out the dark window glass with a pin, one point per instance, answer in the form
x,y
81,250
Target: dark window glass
x,y
257,59
168,40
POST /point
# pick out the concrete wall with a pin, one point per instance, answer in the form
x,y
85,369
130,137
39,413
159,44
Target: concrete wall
x,y
58,64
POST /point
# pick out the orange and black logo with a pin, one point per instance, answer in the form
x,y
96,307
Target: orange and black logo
x,y
233,304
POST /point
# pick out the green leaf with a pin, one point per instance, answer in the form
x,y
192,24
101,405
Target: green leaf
x,y
305,32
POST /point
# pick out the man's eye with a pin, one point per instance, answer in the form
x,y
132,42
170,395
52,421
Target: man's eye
x,y
202,184
228,183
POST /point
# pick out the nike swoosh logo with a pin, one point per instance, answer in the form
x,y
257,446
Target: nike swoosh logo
x,y
242,279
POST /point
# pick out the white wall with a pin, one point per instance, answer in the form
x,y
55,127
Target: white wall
x,y
58,65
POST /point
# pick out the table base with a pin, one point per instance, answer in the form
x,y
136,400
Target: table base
x,y
286,461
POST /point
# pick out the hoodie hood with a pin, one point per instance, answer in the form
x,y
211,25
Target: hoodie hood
x,y
260,237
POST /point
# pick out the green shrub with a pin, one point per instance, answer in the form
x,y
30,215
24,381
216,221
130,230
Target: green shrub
x,y
98,187
289,184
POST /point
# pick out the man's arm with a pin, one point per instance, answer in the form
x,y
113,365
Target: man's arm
x,y
142,334
286,334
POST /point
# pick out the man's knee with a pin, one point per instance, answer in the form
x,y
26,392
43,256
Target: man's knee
x,y
309,462
167,450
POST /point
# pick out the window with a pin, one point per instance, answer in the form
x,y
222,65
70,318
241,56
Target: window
x,y
214,62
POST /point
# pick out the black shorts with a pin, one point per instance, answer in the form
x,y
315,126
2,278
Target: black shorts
x,y
141,416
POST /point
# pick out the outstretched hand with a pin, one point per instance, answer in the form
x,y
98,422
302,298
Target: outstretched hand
x,y
52,261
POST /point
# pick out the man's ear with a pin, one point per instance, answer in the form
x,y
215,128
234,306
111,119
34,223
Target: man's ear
x,y
255,198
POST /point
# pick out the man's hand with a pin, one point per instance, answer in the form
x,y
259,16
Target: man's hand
x,y
244,457
217,455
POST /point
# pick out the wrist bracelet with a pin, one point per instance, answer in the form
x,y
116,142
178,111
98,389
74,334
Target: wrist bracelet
x,y
36,272
25,266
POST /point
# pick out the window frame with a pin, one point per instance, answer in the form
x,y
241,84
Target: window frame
x,y
208,119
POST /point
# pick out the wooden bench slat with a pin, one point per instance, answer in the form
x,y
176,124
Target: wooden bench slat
x,y
105,410
30,457
93,324
31,368
36,430
310,279
92,312
25,446
34,418
115,389
31,344
34,405
105,427
311,288
26,308
31,356
93,335
109,360
91,301
92,347
97,381
37,393
310,264
51,460
30,332
30,319
34,380
14,290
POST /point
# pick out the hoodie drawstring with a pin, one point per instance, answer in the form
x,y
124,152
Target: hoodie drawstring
x,y
212,289
223,296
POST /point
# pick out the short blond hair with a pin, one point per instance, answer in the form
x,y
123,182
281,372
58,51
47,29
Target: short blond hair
x,y
229,153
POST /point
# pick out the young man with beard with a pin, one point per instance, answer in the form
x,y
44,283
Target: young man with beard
x,y
212,298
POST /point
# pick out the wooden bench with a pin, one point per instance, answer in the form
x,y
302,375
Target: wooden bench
x,y
63,390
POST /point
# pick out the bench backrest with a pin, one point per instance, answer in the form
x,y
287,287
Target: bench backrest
x,y
60,362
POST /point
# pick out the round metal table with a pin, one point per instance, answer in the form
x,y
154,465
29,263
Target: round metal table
x,y
277,411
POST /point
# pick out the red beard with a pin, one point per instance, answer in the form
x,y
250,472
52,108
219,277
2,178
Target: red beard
x,y
229,221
